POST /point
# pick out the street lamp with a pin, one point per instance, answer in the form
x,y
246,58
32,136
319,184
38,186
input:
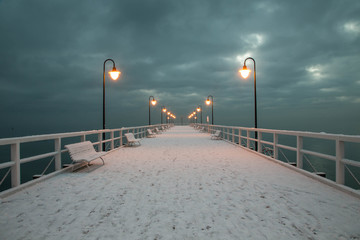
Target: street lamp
x,y
114,75
163,109
208,102
245,72
199,109
151,102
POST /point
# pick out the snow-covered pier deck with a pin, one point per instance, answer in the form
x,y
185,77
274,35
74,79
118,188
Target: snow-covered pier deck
x,y
181,185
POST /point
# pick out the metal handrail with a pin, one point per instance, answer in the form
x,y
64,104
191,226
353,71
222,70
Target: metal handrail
x,y
339,140
16,161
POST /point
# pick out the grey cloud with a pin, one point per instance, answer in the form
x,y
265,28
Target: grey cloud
x,y
179,51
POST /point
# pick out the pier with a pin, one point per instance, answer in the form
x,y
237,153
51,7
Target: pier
x,y
181,185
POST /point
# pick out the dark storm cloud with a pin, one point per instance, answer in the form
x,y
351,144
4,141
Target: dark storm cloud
x,y
52,54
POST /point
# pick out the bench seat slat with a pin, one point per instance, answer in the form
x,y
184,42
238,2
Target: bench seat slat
x,y
84,152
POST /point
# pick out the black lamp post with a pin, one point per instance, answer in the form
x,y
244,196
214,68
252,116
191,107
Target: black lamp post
x,y
199,109
245,73
151,102
208,102
114,74
163,109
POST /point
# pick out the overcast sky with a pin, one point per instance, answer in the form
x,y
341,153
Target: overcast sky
x,y
52,53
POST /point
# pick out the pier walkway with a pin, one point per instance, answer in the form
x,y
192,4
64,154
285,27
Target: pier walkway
x,y
181,185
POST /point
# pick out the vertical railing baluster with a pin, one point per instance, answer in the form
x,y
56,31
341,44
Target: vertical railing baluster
x,y
121,138
15,169
58,154
233,135
100,140
247,138
275,147
240,136
112,140
299,154
259,142
340,168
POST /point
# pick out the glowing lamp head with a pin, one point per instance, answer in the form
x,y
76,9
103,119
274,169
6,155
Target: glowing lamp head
x,y
208,102
114,74
164,110
168,113
198,109
153,102
245,72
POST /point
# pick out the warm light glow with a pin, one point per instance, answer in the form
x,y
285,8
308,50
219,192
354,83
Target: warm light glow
x,y
164,110
198,109
153,102
114,74
245,72
194,113
168,113
208,102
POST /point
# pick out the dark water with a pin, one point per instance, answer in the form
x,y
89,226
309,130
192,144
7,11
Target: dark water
x,y
352,151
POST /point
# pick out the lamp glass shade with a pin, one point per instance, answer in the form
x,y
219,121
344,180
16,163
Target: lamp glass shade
x,y
153,102
198,109
114,74
245,72
207,102
164,110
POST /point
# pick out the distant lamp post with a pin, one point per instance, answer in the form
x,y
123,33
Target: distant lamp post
x,y
163,110
114,75
208,102
245,72
199,109
168,117
153,102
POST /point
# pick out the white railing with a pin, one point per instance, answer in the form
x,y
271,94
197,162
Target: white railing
x,y
114,139
245,137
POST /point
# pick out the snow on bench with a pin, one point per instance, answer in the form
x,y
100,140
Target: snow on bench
x,y
84,152
216,135
131,140
150,133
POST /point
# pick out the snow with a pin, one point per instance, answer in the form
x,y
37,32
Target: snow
x,y
181,185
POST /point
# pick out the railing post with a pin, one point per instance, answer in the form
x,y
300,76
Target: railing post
x,y
340,168
112,140
58,154
83,138
259,142
233,135
100,140
299,154
275,147
121,138
247,138
228,134
15,169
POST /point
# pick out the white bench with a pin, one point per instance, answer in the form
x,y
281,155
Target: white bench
x,y
216,135
150,133
131,140
84,152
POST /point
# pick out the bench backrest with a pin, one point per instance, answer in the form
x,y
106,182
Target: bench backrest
x,y
130,137
81,149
